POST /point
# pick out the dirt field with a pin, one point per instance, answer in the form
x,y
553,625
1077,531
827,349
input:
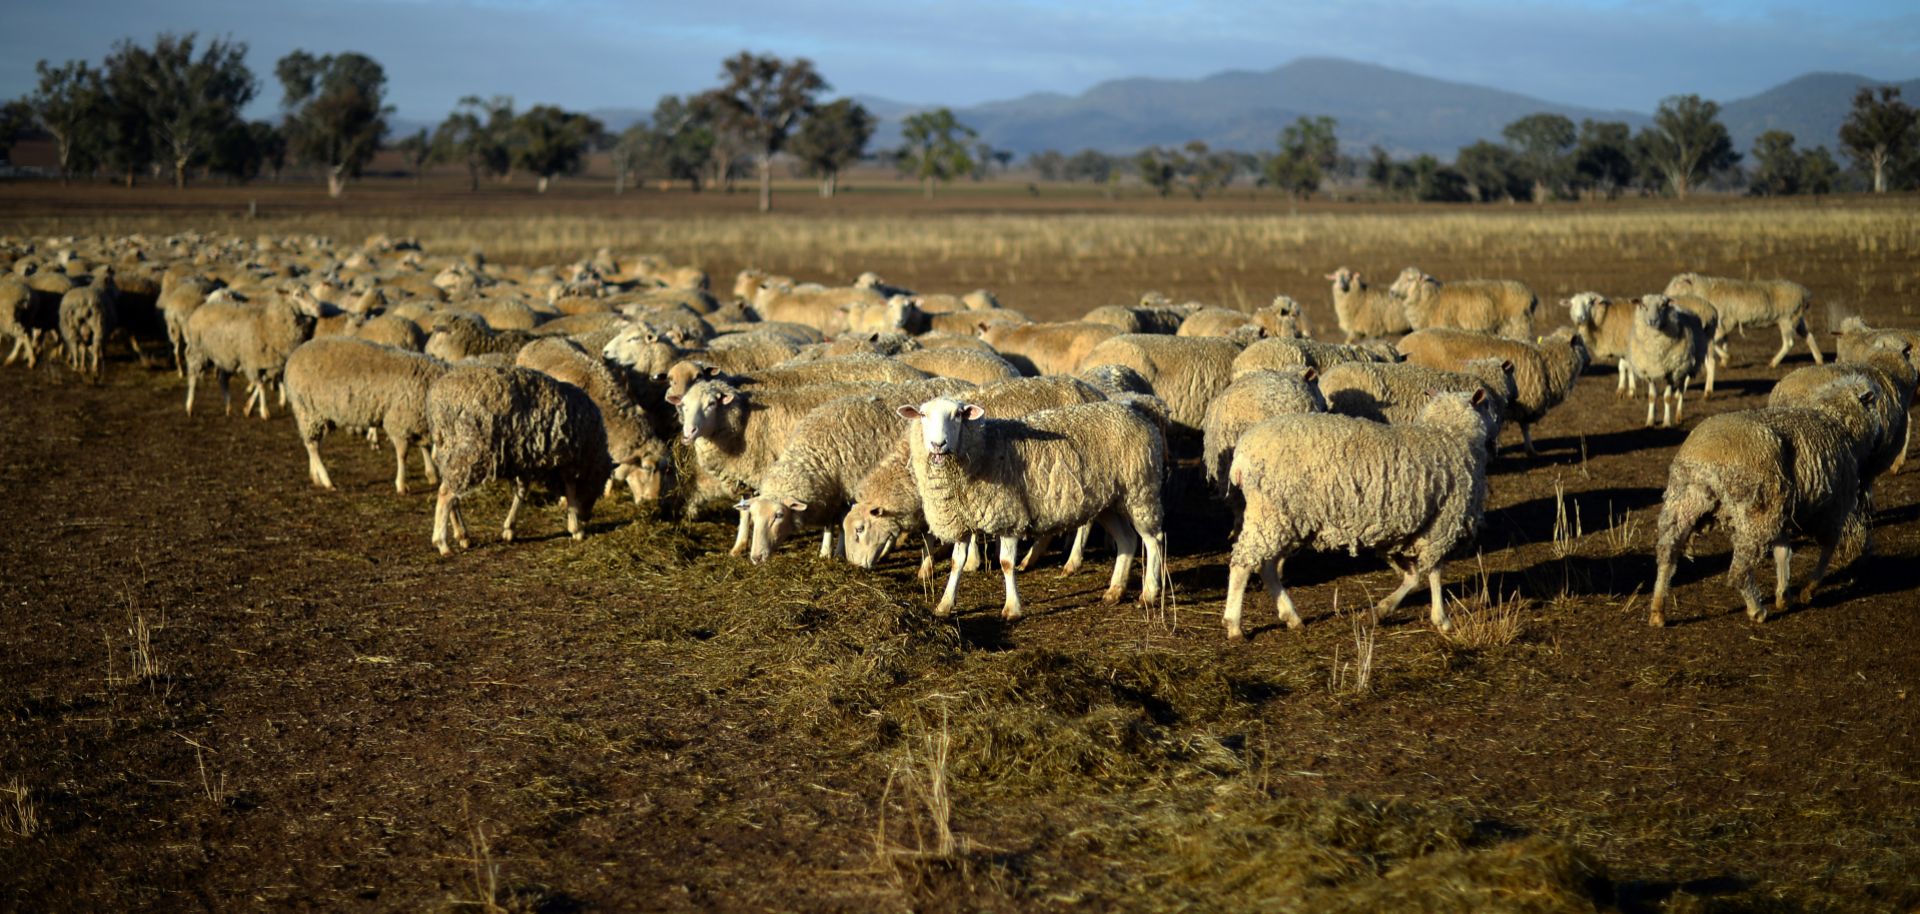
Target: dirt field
x,y
223,689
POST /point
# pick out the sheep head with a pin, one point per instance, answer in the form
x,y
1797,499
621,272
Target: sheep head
x,y
942,425
867,533
702,407
773,521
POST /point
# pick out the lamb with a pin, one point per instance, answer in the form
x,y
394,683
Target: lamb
x,y
1891,377
354,384
1274,354
886,504
87,315
233,337
1501,307
1395,392
976,366
1364,312
491,422
1412,493
834,447
1049,472
1187,372
641,459
1744,303
1666,347
1543,373
459,335
1764,474
1253,398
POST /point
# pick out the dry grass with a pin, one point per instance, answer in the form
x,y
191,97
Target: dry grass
x,y
18,815
1354,674
1484,616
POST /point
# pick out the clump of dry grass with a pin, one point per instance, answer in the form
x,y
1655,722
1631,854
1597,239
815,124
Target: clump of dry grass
x,y
18,815
1355,674
1486,617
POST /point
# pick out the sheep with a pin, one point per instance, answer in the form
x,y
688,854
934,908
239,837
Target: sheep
x,y
1048,472
972,321
872,280
392,330
1283,318
886,505
978,367
1543,373
1891,376
1113,381
896,313
853,342
179,296
233,337
1395,392
87,315
833,447
1412,493
944,340
1364,312
458,335
1253,398
1605,326
796,334
491,422
641,459
1274,353
348,383
1744,303
1187,372
1665,347
1141,318
1709,318
826,309
17,320
1856,339
748,282
1764,474
1496,306
1212,321
686,373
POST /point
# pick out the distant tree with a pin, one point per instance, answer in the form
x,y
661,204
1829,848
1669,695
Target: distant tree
x,y
628,154
1436,183
1541,142
271,141
1777,167
336,111
1047,164
552,141
1203,170
1308,151
1495,172
831,138
1603,157
244,150
124,131
415,150
1879,133
1386,174
1687,142
935,147
1089,164
763,99
67,104
1159,168
15,117
478,134
189,102
682,142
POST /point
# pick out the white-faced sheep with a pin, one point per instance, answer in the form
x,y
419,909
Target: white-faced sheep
x,y
1666,348
641,459
353,384
1543,373
233,337
1499,306
1763,475
1048,472
1744,303
1251,399
1412,493
490,422
1044,349
1363,311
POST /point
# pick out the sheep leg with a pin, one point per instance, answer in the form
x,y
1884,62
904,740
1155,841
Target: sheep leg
x,y
399,464
1620,387
442,513
225,380
1813,345
1125,543
1747,550
1526,437
1282,600
1650,398
1679,405
1040,544
426,464
459,523
1782,575
15,354
1009,551
945,606
193,380
974,555
1409,579
513,509
741,537
826,543
577,509
1153,570
316,469
1236,595
1786,342
1900,459
1439,614
1708,392
1077,556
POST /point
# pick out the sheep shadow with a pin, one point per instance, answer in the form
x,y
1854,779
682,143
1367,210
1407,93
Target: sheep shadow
x,y
1539,515
1609,444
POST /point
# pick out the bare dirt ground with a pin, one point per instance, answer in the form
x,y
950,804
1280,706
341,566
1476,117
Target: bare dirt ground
x,y
330,716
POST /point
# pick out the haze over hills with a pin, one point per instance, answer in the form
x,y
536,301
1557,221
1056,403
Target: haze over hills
x,y
1405,113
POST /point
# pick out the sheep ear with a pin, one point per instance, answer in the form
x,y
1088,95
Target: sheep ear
x,y
1479,396
795,504
1867,397
727,399
1311,375
909,412
1506,366
1331,276
980,329
673,399
973,412
876,511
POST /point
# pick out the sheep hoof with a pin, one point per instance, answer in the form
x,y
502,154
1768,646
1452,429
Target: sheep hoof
x,y
464,543
1068,571
944,609
1656,620
1806,595
444,548
1235,634
1296,624
737,551
1010,613
1112,596
506,536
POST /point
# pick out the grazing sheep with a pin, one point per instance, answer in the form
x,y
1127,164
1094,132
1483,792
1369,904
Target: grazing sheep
x,y
976,366
1044,349
641,459
833,447
1543,373
1277,353
1498,306
1251,399
87,315
354,384
1764,474
1414,494
234,337
491,422
1891,377
1049,472
1187,372
1395,392
1744,303
1666,348
460,335
1364,312
886,504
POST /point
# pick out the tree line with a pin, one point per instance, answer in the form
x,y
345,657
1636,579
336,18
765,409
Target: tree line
x,y
174,107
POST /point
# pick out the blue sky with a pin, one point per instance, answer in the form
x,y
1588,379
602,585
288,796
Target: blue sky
x,y
588,54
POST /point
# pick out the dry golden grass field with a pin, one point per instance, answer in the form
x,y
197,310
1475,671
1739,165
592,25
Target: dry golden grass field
x,y
223,689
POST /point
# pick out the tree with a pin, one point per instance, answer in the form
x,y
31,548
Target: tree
x,y
834,136
681,141
1091,164
1819,173
1495,172
1603,157
935,148
1687,142
336,111
1777,165
415,150
763,100
627,155
1308,150
244,149
1879,132
1206,170
477,134
1541,143
551,141
1436,183
1159,168
125,129
15,117
190,103
67,104
1047,164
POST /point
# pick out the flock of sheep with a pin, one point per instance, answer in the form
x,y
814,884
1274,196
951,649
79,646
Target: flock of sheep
x,y
876,414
